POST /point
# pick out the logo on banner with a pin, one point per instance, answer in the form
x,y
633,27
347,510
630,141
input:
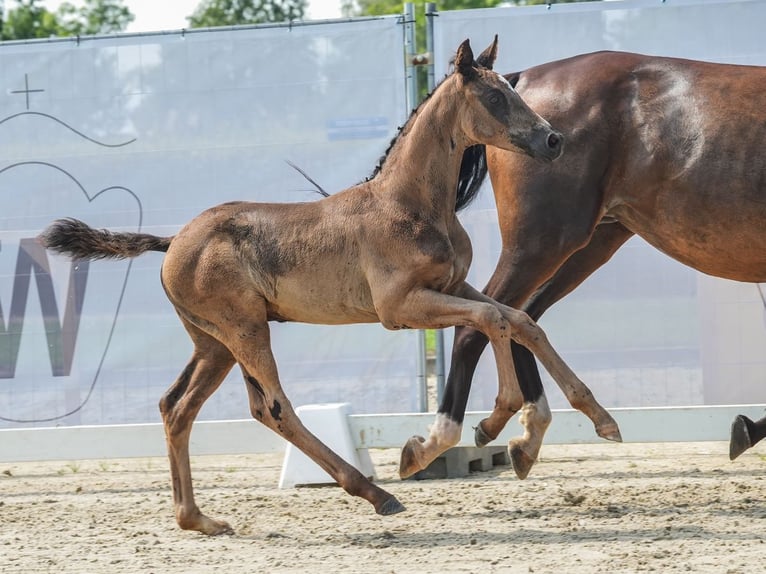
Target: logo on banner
x,y
61,333
56,316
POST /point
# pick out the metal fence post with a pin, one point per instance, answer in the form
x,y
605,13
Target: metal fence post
x,y
411,82
431,14
410,49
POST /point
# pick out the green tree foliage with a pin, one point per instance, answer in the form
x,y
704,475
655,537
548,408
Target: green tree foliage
x,y
94,17
27,19
211,13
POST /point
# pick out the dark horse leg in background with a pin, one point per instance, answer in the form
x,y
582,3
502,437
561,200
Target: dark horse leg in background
x,y
745,434
469,344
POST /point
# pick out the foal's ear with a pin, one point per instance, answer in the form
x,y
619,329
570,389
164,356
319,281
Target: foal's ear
x,y
487,58
464,63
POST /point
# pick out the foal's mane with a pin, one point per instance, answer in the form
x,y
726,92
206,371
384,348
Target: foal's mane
x,y
473,168
401,130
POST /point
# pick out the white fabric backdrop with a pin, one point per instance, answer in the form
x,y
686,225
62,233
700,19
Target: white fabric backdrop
x,y
147,131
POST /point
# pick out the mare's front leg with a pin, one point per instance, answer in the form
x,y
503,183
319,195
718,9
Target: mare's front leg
x,y
209,365
745,434
605,241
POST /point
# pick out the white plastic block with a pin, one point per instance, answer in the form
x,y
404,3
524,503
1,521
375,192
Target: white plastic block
x,y
329,423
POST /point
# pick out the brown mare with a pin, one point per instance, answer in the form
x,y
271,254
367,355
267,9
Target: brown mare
x,y
667,149
388,250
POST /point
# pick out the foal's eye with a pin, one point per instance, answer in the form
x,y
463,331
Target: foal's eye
x,y
494,99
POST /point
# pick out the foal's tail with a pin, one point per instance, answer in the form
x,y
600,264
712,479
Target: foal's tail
x,y
77,240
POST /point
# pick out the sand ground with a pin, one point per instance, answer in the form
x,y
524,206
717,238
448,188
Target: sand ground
x,y
587,508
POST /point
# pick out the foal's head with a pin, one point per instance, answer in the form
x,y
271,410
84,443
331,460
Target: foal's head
x,y
495,114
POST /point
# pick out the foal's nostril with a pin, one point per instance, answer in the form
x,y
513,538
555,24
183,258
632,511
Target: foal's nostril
x,y
554,141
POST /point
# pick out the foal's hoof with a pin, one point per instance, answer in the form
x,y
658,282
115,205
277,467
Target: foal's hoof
x,y
520,461
224,530
609,431
409,463
390,506
740,437
210,527
480,437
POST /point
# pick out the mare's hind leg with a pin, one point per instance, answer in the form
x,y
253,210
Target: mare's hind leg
x,y
745,434
204,373
250,342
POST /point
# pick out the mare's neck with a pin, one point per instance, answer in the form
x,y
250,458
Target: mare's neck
x,y
423,166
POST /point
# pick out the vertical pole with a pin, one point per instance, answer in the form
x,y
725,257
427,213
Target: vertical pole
x,y
411,81
430,17
422,373
410,50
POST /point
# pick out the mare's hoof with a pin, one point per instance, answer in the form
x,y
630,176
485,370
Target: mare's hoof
x,y
740,437
480,437
409,462
390,506
521,461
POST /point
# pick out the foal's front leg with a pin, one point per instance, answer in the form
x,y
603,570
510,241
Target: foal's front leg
x,y
428,309
417,452
504,286
529,334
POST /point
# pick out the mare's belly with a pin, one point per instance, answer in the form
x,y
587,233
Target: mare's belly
x,y
726,250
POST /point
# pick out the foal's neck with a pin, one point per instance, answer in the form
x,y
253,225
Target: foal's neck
x,y
423,166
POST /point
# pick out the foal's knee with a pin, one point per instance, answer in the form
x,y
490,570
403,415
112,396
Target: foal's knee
x,y
493,323
525,330
178,389
167,405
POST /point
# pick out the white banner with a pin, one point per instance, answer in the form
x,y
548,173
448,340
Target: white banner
x,y
644,330
144,132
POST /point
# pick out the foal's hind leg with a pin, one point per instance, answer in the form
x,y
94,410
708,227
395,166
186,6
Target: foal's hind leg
x,y
268,403
204,373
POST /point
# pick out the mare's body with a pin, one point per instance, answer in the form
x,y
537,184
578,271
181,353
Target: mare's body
x,y
667,149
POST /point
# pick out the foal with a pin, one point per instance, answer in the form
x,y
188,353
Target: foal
x,y
388,250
